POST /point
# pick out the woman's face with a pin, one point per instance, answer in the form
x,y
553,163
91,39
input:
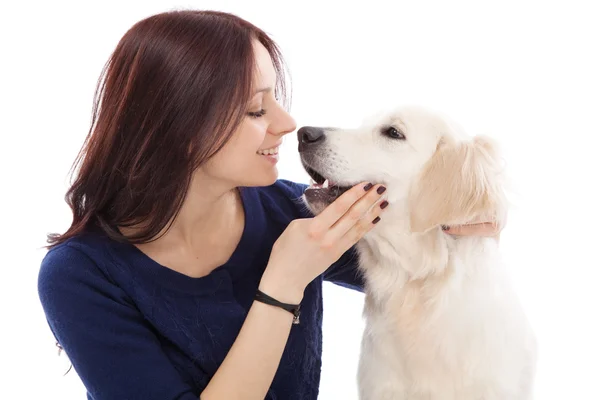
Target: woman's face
x,y
250,157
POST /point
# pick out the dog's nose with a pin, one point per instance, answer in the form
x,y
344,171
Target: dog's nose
x,y
310,135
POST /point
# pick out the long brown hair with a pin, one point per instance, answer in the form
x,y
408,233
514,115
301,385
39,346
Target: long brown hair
x,y
170,96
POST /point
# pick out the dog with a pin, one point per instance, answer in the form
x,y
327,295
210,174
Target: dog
x,y
441,319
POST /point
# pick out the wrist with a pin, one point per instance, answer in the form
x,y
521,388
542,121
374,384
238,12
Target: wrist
x,y
293,309
280,289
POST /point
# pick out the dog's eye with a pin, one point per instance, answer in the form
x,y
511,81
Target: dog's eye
x,y
393,133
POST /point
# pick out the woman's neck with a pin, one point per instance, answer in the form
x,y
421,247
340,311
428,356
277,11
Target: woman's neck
x,y
204,233
204,214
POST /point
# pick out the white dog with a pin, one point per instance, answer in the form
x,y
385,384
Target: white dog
x,y
442,322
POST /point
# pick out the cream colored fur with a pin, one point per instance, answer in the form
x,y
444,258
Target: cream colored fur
x,y
442,321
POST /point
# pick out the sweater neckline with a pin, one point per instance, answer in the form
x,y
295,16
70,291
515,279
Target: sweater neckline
x,y
243,255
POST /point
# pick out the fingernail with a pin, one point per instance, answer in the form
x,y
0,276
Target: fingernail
x,y
384,204
376,220
368,186
445,227
381,189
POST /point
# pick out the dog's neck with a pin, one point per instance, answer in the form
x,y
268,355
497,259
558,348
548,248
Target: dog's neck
x,y
420,255
393,252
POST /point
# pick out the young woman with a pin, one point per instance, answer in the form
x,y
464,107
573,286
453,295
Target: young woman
x,y
187,259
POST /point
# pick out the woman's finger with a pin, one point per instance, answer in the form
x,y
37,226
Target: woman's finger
x,y
336,210
364,225
363,211
479,229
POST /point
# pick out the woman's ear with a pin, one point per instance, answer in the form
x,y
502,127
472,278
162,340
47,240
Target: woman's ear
x,y
461,182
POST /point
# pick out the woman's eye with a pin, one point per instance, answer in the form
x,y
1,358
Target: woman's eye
x,y
257,114
393,133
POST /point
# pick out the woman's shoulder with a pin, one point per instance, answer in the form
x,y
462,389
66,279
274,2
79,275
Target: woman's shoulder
x,y
91,246
75,259
72,251
67,258
72,276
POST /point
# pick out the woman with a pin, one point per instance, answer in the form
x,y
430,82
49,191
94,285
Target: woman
x,y
187,259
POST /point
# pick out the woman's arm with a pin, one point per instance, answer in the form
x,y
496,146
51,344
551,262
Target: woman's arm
x,y
255,355
110,344
345,272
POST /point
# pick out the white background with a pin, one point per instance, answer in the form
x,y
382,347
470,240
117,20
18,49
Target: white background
x,y
524,72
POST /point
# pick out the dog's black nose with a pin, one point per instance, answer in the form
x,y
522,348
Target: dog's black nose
x,y
310,135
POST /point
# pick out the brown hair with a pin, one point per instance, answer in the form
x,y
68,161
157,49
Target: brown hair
x,y
170,96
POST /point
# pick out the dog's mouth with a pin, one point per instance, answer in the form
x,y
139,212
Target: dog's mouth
x,y
323,189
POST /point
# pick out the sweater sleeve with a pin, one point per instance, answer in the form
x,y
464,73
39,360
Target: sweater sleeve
x,y
111,347
344,272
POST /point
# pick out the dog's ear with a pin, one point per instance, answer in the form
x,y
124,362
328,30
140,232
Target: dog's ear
x,y
461,183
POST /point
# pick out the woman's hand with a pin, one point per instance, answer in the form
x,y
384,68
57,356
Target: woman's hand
x,y
309,246
490,229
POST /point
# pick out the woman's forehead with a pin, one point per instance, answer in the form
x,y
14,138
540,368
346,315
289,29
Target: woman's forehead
x,y
265,75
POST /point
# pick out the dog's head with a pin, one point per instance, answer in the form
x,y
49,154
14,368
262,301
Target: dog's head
x,y
440,176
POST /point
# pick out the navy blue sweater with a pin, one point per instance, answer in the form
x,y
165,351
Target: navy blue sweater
x,y
134,329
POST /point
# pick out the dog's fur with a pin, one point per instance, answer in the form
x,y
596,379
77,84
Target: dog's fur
x,y
442,322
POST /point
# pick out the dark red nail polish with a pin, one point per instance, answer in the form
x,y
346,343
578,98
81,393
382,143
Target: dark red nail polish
x,y
368,186
384,204
381,189
376,220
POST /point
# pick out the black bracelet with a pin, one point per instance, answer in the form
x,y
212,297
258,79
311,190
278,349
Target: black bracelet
x,y
293,308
